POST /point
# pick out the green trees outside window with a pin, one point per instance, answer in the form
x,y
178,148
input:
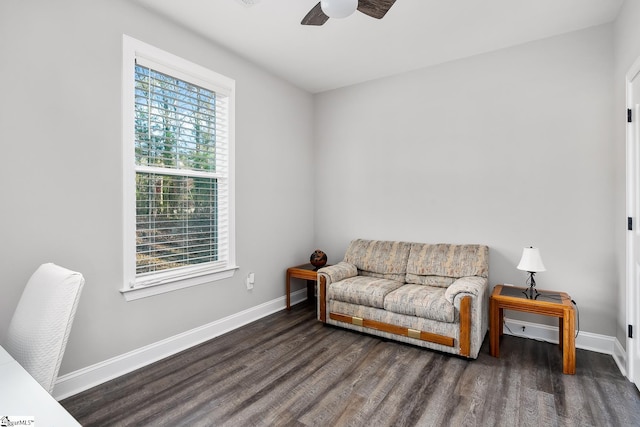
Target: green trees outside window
x,y
176,181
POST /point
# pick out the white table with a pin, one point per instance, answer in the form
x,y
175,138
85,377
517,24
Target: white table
x,y
22,396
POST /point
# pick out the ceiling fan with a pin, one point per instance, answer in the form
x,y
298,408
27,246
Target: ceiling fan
x,y
342,8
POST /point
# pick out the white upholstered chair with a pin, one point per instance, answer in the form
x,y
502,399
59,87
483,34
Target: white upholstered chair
x,y
39,329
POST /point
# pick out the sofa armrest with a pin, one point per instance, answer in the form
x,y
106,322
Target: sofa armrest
x,y
475,290
474,285
328,275
340,271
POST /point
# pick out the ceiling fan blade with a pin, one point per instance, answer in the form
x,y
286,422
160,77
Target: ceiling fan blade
x,y
375,8
315,16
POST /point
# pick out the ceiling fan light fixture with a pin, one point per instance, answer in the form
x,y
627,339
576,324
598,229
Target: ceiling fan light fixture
x,y
339,8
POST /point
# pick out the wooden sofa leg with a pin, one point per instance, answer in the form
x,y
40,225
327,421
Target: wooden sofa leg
x,y
465,326
322,288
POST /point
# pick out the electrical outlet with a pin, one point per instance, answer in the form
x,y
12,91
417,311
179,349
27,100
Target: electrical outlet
x,y
251,278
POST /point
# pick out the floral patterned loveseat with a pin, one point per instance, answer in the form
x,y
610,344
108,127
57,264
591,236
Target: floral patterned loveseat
x,y
430,295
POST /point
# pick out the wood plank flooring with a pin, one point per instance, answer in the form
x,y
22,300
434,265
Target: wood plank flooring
x,y
290,370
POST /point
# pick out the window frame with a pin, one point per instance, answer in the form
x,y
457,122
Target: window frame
x,y
134,287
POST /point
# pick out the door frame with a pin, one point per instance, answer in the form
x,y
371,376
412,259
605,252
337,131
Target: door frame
x,y
632,203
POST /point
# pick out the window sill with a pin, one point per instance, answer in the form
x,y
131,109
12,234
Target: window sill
x,y
144,291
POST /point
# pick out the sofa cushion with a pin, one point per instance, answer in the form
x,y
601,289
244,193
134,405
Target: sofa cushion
x,y
376,258
439,281
441,264
422,301
362,290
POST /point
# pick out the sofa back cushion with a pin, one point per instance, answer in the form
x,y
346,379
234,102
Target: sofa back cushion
x,y
442,264
377,258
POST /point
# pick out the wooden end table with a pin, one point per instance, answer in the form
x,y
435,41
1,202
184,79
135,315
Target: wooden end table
x,y
548,303
305,272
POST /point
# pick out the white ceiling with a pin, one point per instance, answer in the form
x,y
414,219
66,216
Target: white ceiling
x,y
413,34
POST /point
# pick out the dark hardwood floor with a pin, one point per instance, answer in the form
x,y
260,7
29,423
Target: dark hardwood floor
x,y
290,370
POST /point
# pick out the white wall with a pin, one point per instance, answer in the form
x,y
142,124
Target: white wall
x,y
627,49
60,139
510,148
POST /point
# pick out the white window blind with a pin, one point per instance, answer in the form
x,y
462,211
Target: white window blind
x,y
181,149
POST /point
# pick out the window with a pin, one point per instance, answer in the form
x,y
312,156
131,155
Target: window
x,y
178,172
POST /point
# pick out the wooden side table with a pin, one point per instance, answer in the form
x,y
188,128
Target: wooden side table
x,y
548,303
305,272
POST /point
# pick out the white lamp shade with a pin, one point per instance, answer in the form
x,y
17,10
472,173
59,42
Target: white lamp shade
x,y
338,8
531,260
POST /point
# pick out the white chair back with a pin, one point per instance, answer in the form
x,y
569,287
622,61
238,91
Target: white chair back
x,y
40,326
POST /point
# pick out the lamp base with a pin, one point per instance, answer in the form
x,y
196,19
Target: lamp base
x,y
532,292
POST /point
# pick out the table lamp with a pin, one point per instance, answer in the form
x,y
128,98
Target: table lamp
x,y
531,262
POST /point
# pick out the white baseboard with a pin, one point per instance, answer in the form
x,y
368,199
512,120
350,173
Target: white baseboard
x,y
620,356
584,340
91,376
